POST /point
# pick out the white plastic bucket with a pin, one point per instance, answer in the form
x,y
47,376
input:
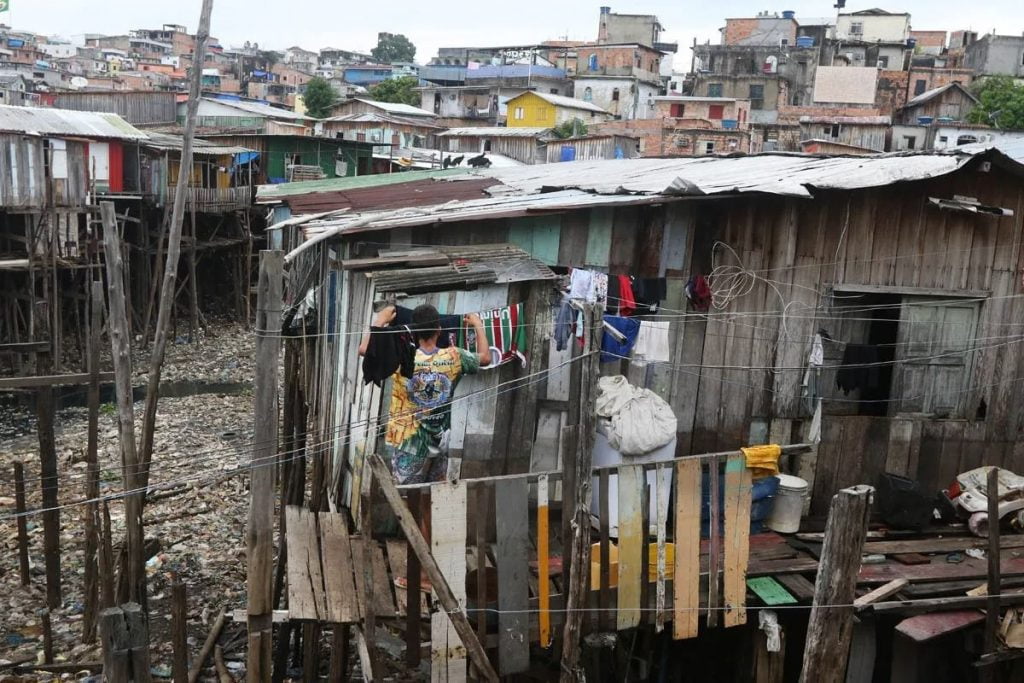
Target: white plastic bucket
x,y
789,505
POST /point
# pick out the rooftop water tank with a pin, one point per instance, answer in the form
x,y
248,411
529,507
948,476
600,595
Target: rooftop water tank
x,y
805,41
788,14
925,120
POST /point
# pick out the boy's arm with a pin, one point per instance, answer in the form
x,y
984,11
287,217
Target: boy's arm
x,y
382,319
483,351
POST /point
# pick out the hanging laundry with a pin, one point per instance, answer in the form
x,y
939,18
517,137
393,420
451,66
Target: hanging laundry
x,y
649,293
614,296
450,326
389,349
652,342
613,349
811,388
626,301
858,370
581,284
599,288
699,293
565,318
506,335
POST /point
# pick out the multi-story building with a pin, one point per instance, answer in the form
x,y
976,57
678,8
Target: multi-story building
x,y
621,79
644,29
992,55
872,37
301,59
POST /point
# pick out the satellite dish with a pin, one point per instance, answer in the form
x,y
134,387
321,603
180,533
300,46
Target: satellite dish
x,y
78,82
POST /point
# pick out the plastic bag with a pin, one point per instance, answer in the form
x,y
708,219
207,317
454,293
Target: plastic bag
x,y
640,421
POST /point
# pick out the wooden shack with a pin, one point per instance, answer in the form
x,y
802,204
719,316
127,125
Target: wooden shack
x,y
904,270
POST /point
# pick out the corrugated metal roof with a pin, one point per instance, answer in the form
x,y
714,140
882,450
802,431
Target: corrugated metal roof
x,y
375,117
935,92
851,120
782,174
398,108
567,102
494,132
267,193
258,109
471,264
168,142
63,122
585,184
424,192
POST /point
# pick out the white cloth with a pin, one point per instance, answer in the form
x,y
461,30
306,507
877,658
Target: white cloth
x,y
817,357
598,288
652,342
640,421
581,285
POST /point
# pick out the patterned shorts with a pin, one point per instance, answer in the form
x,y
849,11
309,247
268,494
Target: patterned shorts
x,y
410,468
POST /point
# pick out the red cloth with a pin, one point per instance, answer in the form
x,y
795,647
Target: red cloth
x,y
627,303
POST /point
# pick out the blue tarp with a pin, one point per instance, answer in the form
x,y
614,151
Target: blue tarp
x,y
243,158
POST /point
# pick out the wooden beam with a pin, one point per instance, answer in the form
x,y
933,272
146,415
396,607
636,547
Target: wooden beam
x,y
953,602
419,546
579,551
993,588
51,380
830,627
92,470
881,593
25,347
260,532
120,335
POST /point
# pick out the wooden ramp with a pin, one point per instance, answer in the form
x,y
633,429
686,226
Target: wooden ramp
x,y
326,581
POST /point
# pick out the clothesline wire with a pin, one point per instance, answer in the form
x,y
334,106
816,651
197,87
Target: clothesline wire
x,y
368,422
274,459
1012,380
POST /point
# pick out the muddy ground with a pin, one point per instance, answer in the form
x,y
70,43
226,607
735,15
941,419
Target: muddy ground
x,y
203,434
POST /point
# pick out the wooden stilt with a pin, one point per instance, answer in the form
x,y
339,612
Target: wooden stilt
x,y
19,508
830,627
179,632
260,534
92,487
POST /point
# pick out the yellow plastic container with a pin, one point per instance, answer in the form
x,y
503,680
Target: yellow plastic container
x,y
613,561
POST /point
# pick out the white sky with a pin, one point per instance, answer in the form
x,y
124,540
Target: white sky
x,y
353,25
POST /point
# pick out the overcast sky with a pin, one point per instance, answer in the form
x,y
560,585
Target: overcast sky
x,y
348,24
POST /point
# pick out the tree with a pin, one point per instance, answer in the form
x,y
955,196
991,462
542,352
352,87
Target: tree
x,y
570,129
393,47
1000,103
398,90
319,98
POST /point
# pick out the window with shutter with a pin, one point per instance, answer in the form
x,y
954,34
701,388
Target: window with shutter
x,y
934,355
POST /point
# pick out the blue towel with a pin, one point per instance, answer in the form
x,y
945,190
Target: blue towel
x,y
612,349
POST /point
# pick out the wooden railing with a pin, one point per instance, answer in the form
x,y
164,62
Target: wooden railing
x,y
214,199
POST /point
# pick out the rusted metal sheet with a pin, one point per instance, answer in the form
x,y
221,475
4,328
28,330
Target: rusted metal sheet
x,y
413,193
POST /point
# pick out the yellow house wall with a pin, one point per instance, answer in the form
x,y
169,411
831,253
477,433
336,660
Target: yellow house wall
x,y
536,112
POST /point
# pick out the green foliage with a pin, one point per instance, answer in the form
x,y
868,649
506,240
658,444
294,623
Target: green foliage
x,y
393,47
1000,103
319,98
398,90
570,129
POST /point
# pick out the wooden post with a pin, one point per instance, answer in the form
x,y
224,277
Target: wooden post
x,y
412,592
47,637
106,560
19,508
579,555
138,634
994,578
830,627
134,572
339,654
92,472
168,288
419,546
211,641
260,536
116,645
193,285
48,468
179,632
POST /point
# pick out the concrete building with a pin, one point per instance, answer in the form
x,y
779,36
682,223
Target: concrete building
x,y
621,79
763,30
645,29
873,26
947,135
929,42
993,55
